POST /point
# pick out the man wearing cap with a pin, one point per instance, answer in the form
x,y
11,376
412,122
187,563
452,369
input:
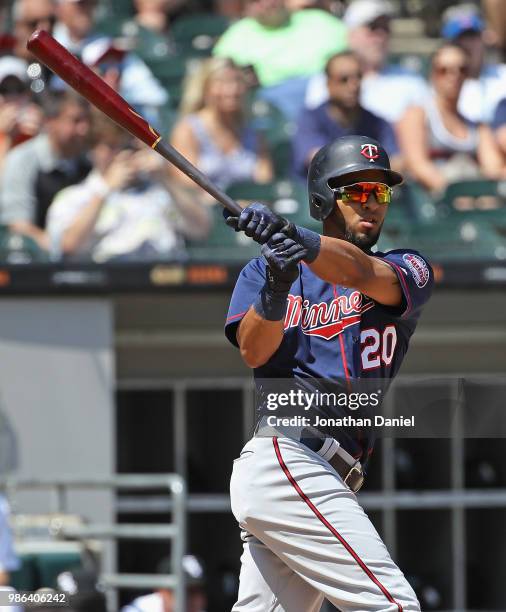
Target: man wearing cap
x,y
387,90
486,84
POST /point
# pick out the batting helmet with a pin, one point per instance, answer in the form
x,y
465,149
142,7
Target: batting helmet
x,y
349,159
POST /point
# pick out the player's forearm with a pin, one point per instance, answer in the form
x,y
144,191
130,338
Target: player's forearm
x,y
258,338
341,263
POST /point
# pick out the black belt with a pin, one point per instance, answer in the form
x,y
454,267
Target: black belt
x,y
349,468
352,475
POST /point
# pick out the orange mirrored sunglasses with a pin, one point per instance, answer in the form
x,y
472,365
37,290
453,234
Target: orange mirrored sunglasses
x,y
360,192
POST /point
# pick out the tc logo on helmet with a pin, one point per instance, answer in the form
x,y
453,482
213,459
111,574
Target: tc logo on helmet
x,y
370,151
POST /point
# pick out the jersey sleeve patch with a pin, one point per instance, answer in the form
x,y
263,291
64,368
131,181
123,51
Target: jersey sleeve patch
x,y
416,280
418,268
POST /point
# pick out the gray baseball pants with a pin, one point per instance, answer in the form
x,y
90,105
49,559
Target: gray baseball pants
x,y
306,538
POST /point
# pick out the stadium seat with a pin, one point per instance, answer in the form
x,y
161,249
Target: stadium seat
x,y
150,46
277,131
282,160
464,240
41,569
196,34
473,189
223,244
18,249
170,71
288,198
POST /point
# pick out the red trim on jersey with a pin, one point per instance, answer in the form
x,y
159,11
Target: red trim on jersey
x,y
330,527
341,344
236,316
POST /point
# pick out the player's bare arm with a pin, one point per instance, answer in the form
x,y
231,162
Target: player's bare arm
x,y
342,263
258,338
261,330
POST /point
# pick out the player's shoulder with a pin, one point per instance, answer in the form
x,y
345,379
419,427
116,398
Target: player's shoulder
x,y
403,254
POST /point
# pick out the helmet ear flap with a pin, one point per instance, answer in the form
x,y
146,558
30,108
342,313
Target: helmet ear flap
x,y
316,201
321,205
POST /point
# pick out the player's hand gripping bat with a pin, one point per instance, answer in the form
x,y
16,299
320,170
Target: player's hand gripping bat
x,y
95,90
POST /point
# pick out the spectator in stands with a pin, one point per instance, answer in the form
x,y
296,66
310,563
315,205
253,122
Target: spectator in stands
x,y
486,82
124,209
387,89
125,72
9,562
37,169
163,600
438,144
496,23
499,125
155,14
75,23
341,115
150,28
232,9
284,48
20,118
212,132
30,15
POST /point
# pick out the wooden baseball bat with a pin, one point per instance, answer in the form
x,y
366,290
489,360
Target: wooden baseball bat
x,y
81,78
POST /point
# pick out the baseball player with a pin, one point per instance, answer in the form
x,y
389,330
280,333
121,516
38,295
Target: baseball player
x,y
317,307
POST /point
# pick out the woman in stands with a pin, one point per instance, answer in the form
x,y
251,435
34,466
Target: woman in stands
x,y
438,144
212,132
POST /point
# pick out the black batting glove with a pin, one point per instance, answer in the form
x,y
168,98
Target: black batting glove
x,y
283,256
259,222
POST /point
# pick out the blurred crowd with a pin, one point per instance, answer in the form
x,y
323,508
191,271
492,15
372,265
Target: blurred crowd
x,y
219,79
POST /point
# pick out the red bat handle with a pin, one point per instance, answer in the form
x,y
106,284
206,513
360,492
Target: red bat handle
x,y
89,85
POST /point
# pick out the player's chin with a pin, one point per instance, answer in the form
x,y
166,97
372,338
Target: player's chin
x,y
364,239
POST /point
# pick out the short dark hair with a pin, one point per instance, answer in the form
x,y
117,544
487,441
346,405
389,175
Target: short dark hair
x,y
53,102
346,53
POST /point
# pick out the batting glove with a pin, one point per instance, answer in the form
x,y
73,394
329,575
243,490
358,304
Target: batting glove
x,y
259,222
283,256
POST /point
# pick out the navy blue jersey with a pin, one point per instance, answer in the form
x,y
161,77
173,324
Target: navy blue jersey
x,y
334,332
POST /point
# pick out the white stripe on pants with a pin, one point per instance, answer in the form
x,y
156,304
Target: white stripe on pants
x,y
306,537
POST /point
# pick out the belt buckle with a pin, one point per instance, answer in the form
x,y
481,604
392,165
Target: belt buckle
x,y
355,487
